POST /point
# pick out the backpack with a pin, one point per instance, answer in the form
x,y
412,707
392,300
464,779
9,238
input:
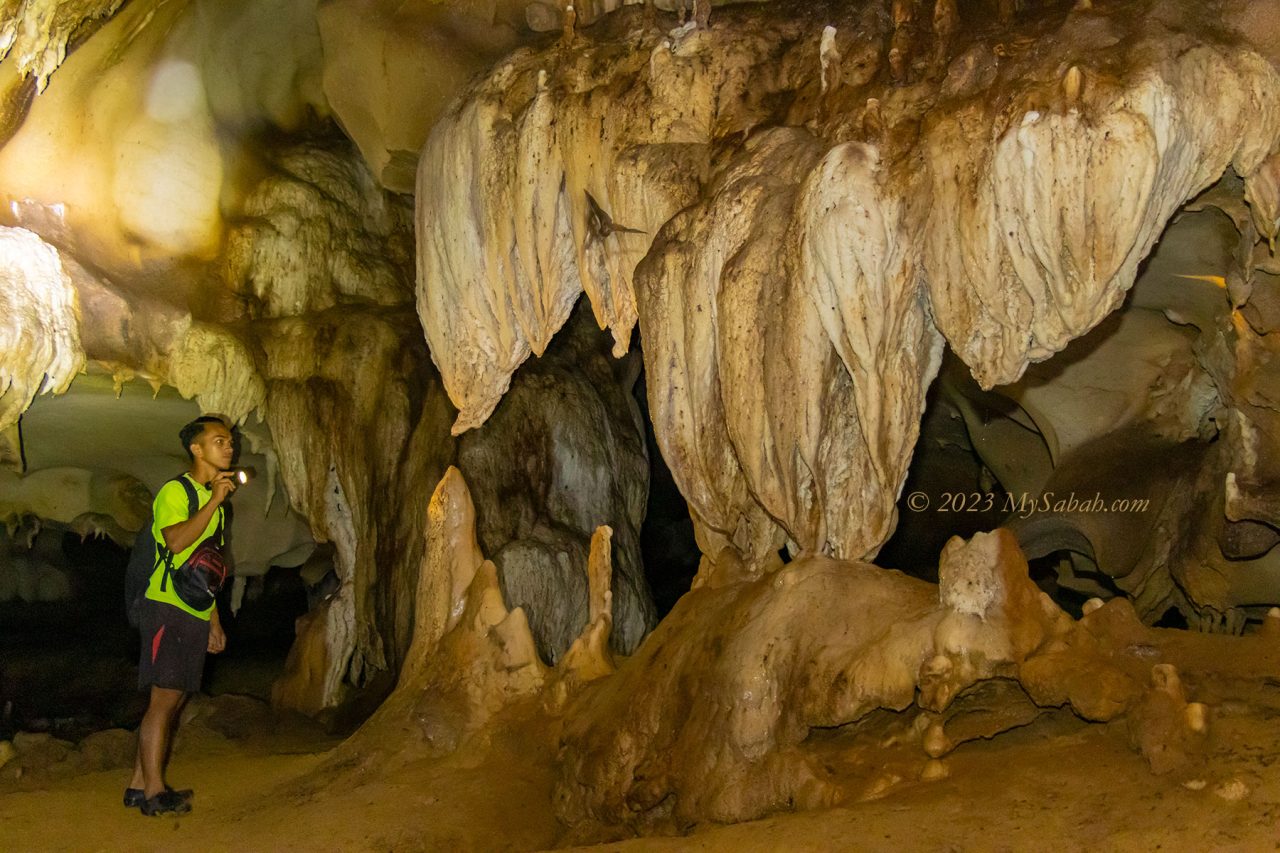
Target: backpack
x,y
196,581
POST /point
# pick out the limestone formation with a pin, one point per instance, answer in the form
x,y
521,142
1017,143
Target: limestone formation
x,y
791,209
470,657
577,430
710,719
66,495
37,32
282,257
1012,220
40,330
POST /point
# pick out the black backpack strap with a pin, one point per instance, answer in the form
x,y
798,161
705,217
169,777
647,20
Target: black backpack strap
x,y
193,500
193,506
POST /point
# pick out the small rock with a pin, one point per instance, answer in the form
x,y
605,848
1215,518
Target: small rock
x,y
881,786
107,750
24,742
1232,791
936,742
1197,717
1091,605
1271,624
1194,784
934,770
6,752
40,750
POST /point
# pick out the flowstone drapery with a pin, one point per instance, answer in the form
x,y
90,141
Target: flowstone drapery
x,y
1006,207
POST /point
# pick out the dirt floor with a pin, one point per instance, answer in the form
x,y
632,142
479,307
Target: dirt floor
x,y
1057,783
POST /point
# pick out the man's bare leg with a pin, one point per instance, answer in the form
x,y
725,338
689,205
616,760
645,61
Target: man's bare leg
x,y
138,780
154,736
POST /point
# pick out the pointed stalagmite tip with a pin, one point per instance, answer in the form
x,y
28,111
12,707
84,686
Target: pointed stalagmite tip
x,y
903,12
1072,82
702,13
570,22
946,17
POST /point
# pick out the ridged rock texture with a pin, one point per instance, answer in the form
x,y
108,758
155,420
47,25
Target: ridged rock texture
x,y
40,330
997,190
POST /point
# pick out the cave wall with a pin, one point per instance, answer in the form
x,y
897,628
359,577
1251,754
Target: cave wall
x,y
797,206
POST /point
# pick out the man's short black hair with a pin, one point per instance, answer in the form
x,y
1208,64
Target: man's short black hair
x,y
194,430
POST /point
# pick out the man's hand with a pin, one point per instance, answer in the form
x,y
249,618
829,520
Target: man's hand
x,y
217,637
222,485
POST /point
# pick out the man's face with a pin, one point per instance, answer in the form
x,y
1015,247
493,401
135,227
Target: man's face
x,y
214,446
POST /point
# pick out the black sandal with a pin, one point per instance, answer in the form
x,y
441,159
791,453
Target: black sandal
x,y
135,797
165,802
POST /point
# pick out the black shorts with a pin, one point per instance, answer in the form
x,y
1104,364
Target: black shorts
x,y
173,648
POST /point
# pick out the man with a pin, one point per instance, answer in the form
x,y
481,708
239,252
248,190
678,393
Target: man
x,y
176,637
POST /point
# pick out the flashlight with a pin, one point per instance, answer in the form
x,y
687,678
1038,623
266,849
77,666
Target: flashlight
x,y
239,475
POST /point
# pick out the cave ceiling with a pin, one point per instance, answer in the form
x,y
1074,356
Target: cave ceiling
x,y
351,223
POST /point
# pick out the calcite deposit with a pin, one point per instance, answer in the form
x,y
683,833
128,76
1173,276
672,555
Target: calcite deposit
x,y
425,255
40,335
1000,192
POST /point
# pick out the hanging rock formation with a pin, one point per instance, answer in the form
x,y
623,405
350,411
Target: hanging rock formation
x,y
1003,197
39,332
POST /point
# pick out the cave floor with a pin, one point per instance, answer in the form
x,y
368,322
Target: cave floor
x,y
1057,783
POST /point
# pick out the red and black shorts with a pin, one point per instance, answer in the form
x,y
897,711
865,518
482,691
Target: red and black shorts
x,y
173,648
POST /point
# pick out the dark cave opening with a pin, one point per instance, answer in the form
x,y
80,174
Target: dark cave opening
x,y
667,543
68,667
1172,618
259,634
948,492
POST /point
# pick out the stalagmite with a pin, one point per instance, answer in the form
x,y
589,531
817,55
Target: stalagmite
x,y
709,720
470,656
589,658
829,58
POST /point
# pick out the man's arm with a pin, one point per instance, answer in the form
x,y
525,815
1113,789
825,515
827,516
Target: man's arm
x,y
182,535
217,637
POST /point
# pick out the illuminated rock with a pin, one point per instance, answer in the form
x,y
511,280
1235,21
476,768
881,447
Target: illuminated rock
x,y
39,323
